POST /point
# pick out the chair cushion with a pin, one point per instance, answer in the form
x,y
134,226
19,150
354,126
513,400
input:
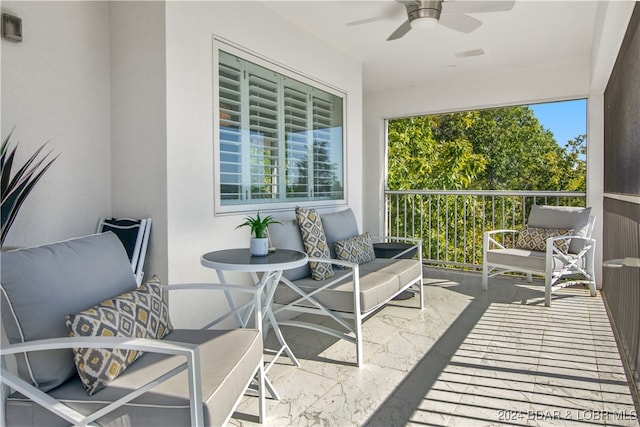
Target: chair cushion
x,y
339,226
566,217
228,360
358,249
315,242
287,236
535,239
525,260
41,285
142,313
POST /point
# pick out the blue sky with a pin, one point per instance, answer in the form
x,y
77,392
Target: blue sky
x,y
566,119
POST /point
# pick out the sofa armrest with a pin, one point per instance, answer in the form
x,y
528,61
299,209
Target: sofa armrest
x,y
190,351
334,261
416,245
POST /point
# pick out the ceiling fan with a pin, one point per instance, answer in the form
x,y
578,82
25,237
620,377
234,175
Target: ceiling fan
x,y
452,14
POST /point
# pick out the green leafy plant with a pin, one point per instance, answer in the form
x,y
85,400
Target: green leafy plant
x,y
258,225
16,188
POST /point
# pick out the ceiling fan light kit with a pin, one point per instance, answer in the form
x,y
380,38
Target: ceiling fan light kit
x,y
426,14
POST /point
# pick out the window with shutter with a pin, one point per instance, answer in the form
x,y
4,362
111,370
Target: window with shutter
x,y
279,137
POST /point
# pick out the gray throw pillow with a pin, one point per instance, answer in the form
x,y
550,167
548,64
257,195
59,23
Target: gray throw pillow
x,y
565,217
41,285
358,249
339,226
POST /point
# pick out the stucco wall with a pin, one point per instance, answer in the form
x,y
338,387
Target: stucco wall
x,y
56,86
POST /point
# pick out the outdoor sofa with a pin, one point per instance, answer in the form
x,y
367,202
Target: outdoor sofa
x,y
358,287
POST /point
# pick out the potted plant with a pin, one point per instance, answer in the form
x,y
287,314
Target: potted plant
x,y
259,245
16,188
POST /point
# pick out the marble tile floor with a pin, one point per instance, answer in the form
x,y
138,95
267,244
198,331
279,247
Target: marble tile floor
x,y
470,358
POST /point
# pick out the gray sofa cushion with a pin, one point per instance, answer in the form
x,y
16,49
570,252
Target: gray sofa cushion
x,y
287,236
41,285
379,280
568,217
236,354
339,226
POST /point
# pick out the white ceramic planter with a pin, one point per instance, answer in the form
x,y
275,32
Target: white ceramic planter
x,y
259,247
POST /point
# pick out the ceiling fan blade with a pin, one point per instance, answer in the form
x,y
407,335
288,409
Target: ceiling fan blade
x,y
364,21
400,31
476,6
460,22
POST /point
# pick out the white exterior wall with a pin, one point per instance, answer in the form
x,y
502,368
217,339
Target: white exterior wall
x,y
139,126
55,86
193,229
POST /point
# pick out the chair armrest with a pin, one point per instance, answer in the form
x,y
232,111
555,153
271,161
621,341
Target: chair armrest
x,y
489,238
505,230
190,351
139,344
588,244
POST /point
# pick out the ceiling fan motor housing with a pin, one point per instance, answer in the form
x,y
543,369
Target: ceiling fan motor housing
x,y
425,9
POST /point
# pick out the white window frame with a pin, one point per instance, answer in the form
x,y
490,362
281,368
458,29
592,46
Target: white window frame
x,y
220,44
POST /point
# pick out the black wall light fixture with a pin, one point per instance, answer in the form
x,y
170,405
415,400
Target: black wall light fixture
x,y
11,27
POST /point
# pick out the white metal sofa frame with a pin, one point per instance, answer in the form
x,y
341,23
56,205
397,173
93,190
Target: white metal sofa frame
x,y
350,321
190,351
139,248
557,264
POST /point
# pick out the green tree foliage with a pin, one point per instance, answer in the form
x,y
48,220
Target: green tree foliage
x,y
494,149
418,160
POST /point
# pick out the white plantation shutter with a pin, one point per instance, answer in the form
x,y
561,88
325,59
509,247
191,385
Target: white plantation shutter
x,y
323,167
280,140
230,129
263,136
298,142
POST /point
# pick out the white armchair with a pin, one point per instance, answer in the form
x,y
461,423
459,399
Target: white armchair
x,y
556,243
185,376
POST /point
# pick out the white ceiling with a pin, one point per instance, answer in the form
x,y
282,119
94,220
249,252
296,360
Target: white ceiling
x,y
532,34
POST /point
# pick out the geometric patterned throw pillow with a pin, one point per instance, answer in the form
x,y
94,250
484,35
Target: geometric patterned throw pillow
x,y
142,313
535,239
358,249
315,242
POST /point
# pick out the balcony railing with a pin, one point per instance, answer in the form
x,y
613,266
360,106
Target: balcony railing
x,y
451,223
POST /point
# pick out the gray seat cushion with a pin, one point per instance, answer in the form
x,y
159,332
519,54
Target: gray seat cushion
x,y
524,259
379,280
566,217
41,285
229,359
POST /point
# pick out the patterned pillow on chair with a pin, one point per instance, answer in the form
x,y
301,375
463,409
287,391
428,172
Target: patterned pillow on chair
x,y
358,249
315,242
142,313
535,239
